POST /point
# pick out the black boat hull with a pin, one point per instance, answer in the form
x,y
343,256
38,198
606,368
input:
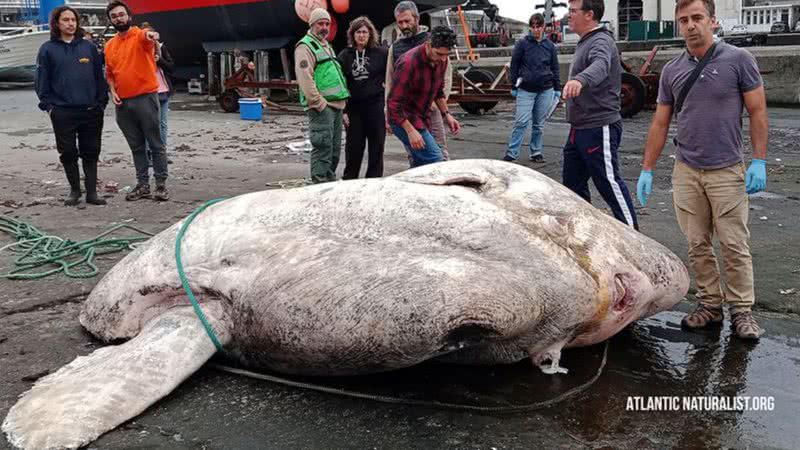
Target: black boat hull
x,y
185,30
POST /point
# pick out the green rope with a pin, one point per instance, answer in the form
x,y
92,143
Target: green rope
x,y
185,281
74,259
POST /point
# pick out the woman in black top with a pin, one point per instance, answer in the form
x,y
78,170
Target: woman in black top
x,y
364,66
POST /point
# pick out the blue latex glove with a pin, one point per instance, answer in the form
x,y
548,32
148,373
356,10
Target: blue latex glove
x,y
756,178
557,94
514,93
644,186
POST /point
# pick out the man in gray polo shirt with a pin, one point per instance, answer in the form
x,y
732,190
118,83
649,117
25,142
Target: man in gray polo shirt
x,y
710,185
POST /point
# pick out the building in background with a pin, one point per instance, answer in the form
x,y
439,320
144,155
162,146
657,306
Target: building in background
x,y
17,13
759,16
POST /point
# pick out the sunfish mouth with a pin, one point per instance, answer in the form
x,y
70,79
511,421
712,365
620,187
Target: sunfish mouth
x,y
623,295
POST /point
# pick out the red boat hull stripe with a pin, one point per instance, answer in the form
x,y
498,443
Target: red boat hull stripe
x,y
151,6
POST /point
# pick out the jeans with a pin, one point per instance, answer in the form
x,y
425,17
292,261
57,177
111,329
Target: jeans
x,y
531,108
429,154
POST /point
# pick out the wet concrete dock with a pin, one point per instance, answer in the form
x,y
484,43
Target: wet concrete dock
x,y
215,155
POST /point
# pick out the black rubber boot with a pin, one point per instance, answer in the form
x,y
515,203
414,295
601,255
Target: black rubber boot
x,y
90,181
74,179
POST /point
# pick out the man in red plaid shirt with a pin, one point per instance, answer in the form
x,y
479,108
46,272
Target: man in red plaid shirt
x,y
419,81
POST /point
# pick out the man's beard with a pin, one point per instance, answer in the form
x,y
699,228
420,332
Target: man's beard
x,y
123,27
408,32
323,34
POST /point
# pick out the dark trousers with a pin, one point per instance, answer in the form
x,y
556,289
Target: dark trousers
x,y
367,127
592,153
78,133
139,120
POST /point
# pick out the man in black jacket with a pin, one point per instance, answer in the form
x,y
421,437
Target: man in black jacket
x,y
72,90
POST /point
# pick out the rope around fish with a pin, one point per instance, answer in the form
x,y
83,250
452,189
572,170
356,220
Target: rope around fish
x,y
353,394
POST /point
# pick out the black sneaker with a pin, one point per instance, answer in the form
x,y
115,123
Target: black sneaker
x,y
139,192
161,194
537,159
508,158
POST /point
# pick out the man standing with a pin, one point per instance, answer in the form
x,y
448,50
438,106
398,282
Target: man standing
x,y
131,75
709,182
407,16
71,88
537,84
323,93
418,82
593,103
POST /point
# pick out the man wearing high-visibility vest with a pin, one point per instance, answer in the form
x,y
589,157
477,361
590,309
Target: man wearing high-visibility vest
x,y
323,92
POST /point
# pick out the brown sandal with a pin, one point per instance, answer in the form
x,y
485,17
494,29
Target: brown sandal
x,y
702,317
745,326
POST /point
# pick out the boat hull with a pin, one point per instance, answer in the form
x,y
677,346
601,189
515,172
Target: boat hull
x,y
184,27
18,55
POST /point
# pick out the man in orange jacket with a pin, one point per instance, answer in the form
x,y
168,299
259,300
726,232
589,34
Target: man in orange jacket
x,y
131,75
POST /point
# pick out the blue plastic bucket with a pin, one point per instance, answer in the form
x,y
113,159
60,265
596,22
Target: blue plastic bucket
x,y
250,108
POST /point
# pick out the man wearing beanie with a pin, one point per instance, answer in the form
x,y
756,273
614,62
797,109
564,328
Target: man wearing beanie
x,y
323,93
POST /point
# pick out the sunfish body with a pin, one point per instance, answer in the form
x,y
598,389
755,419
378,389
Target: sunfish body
x,y
471,262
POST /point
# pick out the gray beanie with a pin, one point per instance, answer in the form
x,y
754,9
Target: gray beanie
x,y
318,14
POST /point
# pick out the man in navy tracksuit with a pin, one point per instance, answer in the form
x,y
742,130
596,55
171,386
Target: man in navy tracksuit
x,y
73,91
593,104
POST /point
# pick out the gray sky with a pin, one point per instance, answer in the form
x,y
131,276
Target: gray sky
x,y
522,9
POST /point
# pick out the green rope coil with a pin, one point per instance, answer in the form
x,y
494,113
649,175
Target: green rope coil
x,y
185,281
74,259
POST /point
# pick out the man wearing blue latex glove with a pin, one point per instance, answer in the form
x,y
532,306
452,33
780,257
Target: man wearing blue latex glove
x,y
756,178
710,186
534,67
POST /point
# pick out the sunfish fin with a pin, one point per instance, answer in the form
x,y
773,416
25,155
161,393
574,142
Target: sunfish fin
x,y
447,174
94,394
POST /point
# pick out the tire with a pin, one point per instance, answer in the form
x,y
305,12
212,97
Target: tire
x,y
478,76
229,101
633,94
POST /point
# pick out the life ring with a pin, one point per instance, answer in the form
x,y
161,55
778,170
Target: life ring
x,y
303,8
341,6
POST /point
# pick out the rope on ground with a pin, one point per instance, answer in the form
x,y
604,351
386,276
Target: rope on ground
x,y
74,259
425,403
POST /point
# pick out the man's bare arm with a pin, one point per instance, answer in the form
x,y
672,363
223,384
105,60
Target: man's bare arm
x,y
756,103
657,136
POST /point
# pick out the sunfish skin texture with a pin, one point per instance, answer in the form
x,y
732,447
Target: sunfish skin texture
x,y
472,261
